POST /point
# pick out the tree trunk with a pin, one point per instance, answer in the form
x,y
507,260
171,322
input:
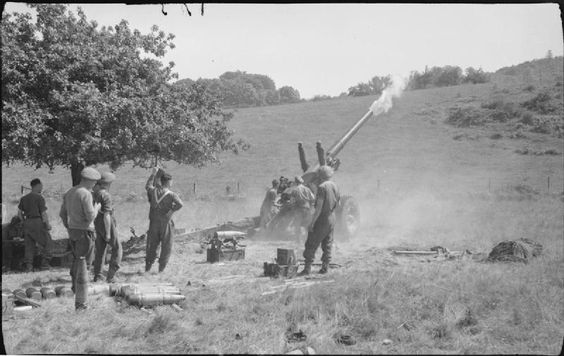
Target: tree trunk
x,y
76,168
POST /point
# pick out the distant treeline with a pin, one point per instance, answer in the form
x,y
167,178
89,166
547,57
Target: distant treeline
x,y
242,89
434,77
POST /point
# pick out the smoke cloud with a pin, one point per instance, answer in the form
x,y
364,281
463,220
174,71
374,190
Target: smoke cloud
x,y
384,102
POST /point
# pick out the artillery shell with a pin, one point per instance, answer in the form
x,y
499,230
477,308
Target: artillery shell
x,y
33,293
47,293
151,299
63,291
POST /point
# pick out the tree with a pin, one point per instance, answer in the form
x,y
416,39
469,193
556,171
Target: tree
x,y
288,95
76,95
475,76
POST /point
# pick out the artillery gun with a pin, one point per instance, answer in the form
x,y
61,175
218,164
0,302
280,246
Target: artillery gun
x,y
283,224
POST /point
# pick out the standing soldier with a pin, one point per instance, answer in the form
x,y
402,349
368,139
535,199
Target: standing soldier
x,y
323,222
268,208
164,203
33,212
78,212
303,198
106,232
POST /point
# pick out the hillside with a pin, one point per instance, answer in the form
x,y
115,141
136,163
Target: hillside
x,y
420,182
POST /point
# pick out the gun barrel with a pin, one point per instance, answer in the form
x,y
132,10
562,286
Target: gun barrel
x,y
338,146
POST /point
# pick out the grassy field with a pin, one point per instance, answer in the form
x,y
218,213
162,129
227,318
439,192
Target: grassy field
x,y
419,182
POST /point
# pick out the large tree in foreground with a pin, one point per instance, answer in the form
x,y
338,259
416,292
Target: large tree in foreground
x,y
74,94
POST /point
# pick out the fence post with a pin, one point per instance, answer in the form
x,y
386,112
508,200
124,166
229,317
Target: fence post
x,y
238,190
548,184
194,189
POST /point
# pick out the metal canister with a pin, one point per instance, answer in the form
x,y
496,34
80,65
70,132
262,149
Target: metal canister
x,y
48,293
63,291
33,293
81,295
152,299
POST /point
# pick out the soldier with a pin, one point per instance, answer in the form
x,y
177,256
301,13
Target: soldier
x,y
269,208
303,198
323,222
78,212
164,203
106,232
33,212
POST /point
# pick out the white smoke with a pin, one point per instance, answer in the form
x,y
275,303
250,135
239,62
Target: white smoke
x,y
384,102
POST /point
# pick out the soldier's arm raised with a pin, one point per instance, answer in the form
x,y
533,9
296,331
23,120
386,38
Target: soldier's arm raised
x,y
151,181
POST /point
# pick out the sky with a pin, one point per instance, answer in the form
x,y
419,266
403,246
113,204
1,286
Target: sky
x,y
323,49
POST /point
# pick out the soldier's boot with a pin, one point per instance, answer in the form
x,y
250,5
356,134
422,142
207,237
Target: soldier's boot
x,y
148,266
111,277
306,271
324,268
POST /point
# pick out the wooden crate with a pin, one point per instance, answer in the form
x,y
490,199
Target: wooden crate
x,y
218,255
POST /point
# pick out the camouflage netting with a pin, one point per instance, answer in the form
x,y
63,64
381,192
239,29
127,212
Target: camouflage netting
x,y
521,250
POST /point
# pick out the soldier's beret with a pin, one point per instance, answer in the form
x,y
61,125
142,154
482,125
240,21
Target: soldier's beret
x,y
107,177
90,173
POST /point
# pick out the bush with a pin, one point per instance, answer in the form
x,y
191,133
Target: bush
x,y
465,116
541,103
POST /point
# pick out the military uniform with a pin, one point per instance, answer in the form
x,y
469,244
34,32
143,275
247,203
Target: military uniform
x,y
324,226
78,213
161,226
104,197
268,208
35,233
303,197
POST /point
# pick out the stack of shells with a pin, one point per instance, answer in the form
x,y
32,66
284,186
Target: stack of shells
x,y
145,295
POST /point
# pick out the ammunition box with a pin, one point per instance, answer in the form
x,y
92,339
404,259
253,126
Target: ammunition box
x,y
218,255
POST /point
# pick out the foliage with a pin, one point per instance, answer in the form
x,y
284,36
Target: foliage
x,y
475,76
242,89
374,86
541,103
74,94
445,76
465,116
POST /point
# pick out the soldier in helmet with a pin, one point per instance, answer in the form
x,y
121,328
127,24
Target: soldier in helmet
x,y
163,203
106,232
323,223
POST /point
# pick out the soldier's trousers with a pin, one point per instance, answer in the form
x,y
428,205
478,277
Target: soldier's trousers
x,y
101,246
322,234
160,232
82,244
35,235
